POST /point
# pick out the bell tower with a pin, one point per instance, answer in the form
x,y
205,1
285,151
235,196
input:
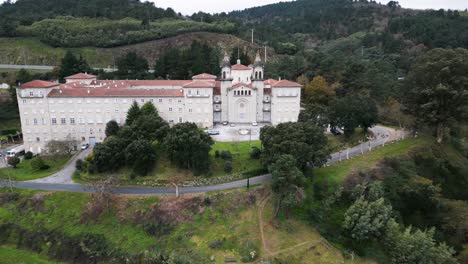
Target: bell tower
x,y
226,83
257,82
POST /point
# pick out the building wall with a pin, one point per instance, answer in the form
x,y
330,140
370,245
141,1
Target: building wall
x,y
85,118
285,105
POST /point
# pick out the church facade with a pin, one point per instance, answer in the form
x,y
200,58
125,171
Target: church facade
x,y
80,108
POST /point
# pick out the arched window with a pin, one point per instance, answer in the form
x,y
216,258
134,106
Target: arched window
x,y
224,75
256,75
250,92
260,75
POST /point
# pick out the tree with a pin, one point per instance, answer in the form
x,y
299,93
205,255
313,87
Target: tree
x,y
23,76
227,166
367,219
140,156
38,164
150,127
109,155
71,65
415,247
62,147
132,66
148,109
393,4
319,91
112,128
239,54
316,114
133,113
351,112
188,147
13,161
438,85
287,182
304,141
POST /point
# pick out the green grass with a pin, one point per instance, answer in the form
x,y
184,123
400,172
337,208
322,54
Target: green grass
x,y
166,173
24,172
228,218
11,255
336,173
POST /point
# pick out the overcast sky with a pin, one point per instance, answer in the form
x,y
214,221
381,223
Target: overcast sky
x,y
216,6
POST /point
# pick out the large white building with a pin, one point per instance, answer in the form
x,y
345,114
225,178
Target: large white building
x,y
80,108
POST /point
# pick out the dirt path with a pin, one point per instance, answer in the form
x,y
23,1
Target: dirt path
x,y
261,206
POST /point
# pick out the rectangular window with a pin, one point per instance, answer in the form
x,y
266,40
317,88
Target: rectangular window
x,y
160,100
170,100
170,109
54,121
180,100
31,94
116,110
35,121
151,100
44,121
27,121
63,121
24,101
142,100
38,139
180,110
72,121
190,110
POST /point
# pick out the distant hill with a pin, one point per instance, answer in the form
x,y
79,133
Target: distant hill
x,y
26,12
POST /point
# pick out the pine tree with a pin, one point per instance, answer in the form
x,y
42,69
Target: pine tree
x,y
133,113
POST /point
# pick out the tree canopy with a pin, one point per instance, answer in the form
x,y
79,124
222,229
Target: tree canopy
x,y
438,92
304,141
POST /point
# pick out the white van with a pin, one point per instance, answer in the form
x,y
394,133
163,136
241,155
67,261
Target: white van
x,y
15,151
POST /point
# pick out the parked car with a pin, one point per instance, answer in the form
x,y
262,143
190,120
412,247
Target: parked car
x,y
212,132
84,146
335,131
233,125
254,124
225,123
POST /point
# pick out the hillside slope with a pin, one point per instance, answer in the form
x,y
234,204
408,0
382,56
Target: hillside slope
x,y
32,51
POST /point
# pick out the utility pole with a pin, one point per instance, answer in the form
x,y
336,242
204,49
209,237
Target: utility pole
x,y
252,35
265,53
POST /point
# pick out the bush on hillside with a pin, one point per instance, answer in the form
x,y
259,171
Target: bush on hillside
x,y
38,164
28,155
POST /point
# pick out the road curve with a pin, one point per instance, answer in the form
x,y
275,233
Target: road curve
x,y
381,135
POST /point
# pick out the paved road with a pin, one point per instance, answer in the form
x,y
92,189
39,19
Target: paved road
x,y
61,181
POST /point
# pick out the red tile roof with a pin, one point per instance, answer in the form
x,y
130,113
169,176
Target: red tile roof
x,y
81,76
38,84
204,76
158,82
104,92
240,67
281,83
200,84
286,83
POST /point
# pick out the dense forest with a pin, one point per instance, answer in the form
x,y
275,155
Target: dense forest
x,y
26,12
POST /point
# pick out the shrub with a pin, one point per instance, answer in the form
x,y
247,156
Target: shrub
x,y
227,166
13,161
38,164
255,153
248,251
91,168
216,153
80,164
28,155
226,155
215,243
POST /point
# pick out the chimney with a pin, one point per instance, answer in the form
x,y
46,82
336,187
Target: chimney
x,y
238,61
